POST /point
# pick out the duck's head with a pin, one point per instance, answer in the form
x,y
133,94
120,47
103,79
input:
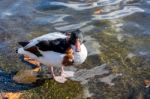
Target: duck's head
x,y
76,39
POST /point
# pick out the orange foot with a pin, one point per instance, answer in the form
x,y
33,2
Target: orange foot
x,y
32,61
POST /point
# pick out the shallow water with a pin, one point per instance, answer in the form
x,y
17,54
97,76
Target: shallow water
x,y
26,19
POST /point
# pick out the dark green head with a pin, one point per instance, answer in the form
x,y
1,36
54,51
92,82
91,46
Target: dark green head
x,y
76,39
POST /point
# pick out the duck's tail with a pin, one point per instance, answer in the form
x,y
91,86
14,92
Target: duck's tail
x,y
24,52
20,51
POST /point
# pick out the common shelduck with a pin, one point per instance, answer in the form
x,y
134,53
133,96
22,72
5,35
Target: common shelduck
x,y
57,49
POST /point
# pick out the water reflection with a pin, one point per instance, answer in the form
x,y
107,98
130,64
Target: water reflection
x,y
128,10
20,18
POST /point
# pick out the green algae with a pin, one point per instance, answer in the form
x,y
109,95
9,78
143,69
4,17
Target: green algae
x,y
11,62
53,90
134,70
102,23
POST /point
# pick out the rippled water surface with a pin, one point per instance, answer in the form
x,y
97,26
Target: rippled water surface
x,y
26,19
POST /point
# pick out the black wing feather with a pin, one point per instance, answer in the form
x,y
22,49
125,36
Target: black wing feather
x,y
23,44
58,45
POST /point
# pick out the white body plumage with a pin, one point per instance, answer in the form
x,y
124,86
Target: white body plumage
x,y
52,58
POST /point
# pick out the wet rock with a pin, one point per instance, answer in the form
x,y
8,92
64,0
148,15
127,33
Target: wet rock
x,y
11,95
83,75
108,79
25,77
8,84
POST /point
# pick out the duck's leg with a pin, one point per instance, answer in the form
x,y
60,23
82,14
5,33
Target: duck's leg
x,y
66,73
60,79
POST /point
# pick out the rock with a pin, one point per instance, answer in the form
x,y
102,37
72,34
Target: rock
x,y
108,79
83,75
25,77
11,95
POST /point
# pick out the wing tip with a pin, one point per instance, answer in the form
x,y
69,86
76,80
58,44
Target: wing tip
x,y
23,44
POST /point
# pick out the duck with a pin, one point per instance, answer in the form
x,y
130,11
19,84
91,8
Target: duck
x,y
57,49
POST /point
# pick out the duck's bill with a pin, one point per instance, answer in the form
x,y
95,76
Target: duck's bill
x,y
78,46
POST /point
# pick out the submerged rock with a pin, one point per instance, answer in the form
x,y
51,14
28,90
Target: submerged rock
x,y
83,75
50,89
11,95
108,79
25,77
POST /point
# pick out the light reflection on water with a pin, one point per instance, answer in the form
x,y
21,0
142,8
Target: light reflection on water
x,y
21,17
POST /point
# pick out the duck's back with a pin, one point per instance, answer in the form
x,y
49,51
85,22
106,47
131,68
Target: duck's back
x,y
46,37
59,45
51,36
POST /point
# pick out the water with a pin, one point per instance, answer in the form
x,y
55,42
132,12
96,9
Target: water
x,y
8,85
25,19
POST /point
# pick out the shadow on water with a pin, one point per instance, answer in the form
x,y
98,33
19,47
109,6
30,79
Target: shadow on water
x,y
7,84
